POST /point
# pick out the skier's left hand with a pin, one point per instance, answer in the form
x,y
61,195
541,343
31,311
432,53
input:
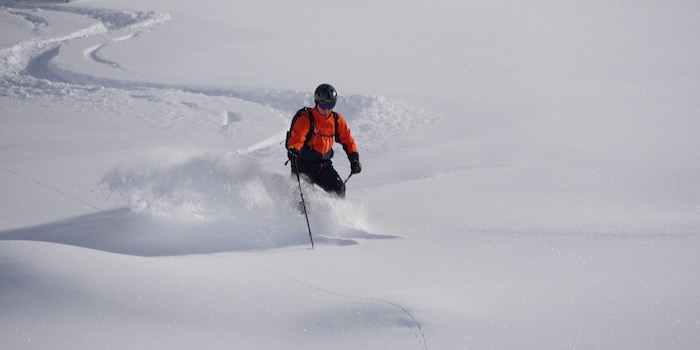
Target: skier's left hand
x,y
355,166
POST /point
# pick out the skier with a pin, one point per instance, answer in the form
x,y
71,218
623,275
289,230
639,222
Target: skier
x,y
310,142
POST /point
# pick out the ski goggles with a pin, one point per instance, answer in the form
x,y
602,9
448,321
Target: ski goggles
x,y
326,105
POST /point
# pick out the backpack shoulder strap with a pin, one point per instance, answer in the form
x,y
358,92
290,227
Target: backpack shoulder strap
x,y
312,125
337,134
294,120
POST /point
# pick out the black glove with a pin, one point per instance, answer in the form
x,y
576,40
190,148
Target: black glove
x,y
355,166
293,155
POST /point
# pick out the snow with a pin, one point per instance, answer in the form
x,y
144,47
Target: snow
x,y
530,175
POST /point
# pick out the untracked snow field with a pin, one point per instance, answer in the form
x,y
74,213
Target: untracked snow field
x,y
531,175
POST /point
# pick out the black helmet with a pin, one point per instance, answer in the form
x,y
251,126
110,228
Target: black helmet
x,y
326,94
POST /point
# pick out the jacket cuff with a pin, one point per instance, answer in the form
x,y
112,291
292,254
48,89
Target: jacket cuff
x,y
354,157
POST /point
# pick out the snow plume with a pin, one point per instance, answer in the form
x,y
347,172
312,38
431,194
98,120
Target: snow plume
x,y
216,195
185,185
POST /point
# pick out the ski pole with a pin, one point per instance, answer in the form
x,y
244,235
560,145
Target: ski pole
x,y
349,176
303,203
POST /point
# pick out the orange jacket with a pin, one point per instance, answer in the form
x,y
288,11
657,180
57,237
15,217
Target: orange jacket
x,y
319,147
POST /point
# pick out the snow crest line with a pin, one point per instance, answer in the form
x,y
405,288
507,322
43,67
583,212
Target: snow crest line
x,y
51,188
415,325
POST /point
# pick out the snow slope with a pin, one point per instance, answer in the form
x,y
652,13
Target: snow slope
x,y
530,175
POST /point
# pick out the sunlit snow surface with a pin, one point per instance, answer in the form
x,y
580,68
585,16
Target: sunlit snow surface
x,y
530,176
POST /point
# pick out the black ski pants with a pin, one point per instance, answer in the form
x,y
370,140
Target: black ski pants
x,y
321,174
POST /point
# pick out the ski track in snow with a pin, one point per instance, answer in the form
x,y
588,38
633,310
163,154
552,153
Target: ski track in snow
x,y
28,70
373,303
93,54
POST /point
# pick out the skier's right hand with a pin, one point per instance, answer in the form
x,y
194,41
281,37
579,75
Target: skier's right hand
x,y
293,154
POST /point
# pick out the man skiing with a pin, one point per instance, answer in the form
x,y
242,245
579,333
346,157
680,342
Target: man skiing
x,y
310,142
